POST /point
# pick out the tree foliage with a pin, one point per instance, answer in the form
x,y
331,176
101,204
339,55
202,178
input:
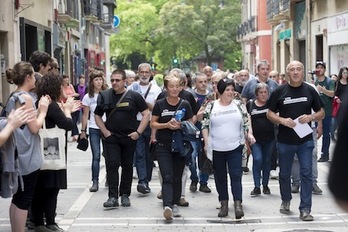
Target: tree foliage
x,y
163,29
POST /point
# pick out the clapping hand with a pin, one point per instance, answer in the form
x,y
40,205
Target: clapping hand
x,y
21,116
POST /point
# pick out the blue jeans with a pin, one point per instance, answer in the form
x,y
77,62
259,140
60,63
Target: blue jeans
x,y
203,177
142,159
75,118
295,171
286,156
262,153
171,166
333,127
233,161
326,137
94,140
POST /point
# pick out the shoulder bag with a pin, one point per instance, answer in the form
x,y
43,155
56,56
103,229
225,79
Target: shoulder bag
x,y
52,148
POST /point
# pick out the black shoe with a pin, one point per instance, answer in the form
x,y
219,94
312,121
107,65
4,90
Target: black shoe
x,y
295,188
245,169
256,191
143,188
125,202
204,188
285,207
95,186
55,228
323,159
306,216
112,202
193,186
266,190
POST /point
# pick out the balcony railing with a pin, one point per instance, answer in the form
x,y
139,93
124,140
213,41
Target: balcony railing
x,y
90,10
247,27
68,13
276,7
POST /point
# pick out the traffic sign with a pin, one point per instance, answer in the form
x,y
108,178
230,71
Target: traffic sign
x,y
116,21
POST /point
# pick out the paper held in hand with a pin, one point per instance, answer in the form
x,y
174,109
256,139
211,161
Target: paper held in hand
x,y
302,130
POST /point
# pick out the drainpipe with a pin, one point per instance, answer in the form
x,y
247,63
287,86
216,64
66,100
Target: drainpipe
x,y
308,40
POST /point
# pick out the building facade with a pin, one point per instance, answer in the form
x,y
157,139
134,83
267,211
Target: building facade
x,y
254,34
75,32
309,30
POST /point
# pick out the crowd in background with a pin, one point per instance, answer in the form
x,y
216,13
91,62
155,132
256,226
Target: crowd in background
x,y
137,112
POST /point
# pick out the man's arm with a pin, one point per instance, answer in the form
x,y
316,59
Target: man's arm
x,y
100,123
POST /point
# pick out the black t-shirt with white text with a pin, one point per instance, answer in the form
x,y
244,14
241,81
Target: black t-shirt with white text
x,y
263,129
165,112
292,102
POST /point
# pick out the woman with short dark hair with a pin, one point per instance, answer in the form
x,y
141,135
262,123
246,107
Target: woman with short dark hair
x,y
225,126
51,181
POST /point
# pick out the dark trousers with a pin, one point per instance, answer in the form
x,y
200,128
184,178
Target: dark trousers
x,y
44,204
171,166
119,152
228,162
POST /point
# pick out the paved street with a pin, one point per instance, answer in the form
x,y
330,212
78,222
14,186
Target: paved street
x,y
79,210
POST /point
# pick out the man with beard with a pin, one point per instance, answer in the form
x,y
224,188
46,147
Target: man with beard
x,y
142,159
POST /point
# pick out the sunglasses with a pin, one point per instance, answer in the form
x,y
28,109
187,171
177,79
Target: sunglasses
x,y
115,80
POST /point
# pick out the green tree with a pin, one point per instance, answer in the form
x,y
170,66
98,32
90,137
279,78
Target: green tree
x,y
136,33
158,30
201,26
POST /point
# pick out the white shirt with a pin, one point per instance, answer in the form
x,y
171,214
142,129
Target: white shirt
x,y
151,96
92,104
225,127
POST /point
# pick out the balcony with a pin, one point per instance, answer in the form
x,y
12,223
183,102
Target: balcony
x,y
107,15
277,10
247,27
90,10
68,13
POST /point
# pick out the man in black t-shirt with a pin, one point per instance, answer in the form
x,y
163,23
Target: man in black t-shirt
x,y
294,102
121,131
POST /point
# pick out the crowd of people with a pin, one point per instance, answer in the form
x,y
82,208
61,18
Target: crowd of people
x,y
262,113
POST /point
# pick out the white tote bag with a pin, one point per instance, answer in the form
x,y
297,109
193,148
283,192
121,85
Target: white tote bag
x,y
52,148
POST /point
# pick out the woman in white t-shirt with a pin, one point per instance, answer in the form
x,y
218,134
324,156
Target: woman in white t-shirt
x,y
224,127
89,102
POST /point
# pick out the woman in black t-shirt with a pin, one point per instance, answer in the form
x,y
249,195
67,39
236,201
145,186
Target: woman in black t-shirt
x,y
263,131
171,164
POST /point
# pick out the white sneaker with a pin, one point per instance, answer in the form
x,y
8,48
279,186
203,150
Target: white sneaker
x,y
135,174
176,211
274,174
167,213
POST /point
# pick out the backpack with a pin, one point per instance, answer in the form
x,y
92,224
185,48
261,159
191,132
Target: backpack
x,y
9,164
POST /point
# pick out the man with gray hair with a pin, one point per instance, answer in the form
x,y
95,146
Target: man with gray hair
x,y
142,158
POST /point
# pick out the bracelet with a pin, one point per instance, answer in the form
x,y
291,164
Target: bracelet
x,y
138,133
83,130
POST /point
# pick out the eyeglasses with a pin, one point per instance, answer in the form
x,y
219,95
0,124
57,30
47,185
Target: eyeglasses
x,y
115,80
345,73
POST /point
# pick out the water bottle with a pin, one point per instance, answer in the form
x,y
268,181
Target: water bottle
x,y
180,114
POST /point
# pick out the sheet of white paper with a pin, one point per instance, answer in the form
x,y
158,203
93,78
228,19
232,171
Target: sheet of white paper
x,y
302,130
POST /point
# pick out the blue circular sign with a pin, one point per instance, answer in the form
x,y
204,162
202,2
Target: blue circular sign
x,y
116,21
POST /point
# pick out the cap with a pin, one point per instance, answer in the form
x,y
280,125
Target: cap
x,y
320,63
